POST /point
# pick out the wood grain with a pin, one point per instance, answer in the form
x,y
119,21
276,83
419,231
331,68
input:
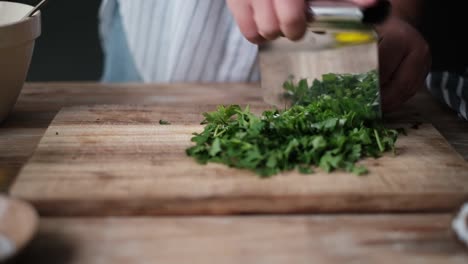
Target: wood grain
x,y
117,160
294,239
39,103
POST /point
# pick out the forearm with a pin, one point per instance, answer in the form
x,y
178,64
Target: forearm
x,y
409,10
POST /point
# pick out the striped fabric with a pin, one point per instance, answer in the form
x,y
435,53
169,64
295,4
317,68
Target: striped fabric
x,y
184,40
451,89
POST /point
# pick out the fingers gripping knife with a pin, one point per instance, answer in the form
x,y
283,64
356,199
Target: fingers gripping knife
x,y
340,40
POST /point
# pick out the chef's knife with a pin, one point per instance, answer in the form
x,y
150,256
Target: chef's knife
x,y
340,39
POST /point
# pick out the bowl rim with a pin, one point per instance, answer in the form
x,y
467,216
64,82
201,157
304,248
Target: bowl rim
x,y
21,31
35,16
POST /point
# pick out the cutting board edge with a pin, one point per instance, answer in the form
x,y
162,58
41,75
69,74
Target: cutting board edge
x,y
310,204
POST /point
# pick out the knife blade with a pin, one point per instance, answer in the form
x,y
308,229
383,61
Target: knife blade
x,y
341,39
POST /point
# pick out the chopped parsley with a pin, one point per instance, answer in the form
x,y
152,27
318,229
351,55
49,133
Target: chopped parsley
x,y
331,124
164,122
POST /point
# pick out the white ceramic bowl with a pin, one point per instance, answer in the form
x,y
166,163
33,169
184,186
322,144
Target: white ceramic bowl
x,y
17,38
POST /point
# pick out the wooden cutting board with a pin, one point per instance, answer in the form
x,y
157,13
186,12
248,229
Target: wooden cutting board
x,y
118,160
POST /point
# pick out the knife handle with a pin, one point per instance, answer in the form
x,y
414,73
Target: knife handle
x,y
331,17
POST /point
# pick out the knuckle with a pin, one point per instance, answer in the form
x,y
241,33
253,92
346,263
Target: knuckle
x,y
251,35
293,27
298,35
292,22
270,33
411,88
254,38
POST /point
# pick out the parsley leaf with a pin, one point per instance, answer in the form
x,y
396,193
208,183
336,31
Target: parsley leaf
x,y
215,147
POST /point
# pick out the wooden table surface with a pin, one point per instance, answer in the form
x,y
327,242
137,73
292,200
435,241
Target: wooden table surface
x,y
396,238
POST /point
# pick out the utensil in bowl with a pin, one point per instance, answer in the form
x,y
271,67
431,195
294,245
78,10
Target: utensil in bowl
x,y
35,9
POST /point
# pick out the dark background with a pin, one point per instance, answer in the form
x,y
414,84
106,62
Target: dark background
x,y
69,47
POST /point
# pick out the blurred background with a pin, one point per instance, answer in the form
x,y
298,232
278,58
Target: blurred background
x,y
69,47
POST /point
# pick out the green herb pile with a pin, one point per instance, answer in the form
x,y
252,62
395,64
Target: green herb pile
x,y
331,124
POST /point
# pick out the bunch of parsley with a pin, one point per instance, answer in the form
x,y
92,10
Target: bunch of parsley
x,y
332,124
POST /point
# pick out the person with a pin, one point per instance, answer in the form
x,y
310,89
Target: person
x,y
167,41
415,31
403,66
448,79
216,41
